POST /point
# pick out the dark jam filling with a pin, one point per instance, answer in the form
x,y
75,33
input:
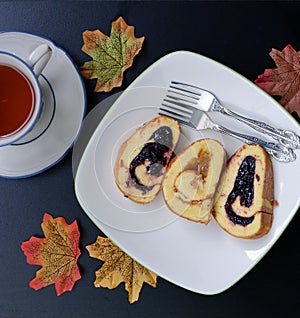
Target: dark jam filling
x,y
163,136
243,187
154,153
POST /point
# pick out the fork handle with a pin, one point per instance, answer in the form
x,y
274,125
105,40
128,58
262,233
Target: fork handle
x,y
285,137
278,151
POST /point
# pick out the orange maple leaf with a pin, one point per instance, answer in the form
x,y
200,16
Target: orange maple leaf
x,y
57,253
283,81
111,56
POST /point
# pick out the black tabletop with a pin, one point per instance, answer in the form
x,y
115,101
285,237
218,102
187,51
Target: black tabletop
x,y
236,33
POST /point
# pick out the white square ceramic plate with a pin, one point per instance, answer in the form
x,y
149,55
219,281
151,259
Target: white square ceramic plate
x,y
200,258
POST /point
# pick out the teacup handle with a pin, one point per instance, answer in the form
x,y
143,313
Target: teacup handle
x,y
39,58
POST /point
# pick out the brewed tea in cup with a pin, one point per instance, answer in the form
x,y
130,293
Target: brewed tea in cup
x,y
20,93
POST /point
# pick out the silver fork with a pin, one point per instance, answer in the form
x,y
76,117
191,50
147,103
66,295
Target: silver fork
x,y
199,120
183,93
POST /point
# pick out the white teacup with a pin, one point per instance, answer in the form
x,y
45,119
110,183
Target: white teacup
x,y
21,99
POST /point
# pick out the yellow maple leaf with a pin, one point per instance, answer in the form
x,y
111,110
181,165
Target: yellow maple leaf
x,y
111,56
118,267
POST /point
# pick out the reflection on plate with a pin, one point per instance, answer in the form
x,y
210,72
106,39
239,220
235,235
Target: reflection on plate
x,y
121,213
63,110
200,258
109,205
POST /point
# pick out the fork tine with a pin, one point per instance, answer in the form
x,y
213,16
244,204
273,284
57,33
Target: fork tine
x,y
181,108
189,88
175,116
182,98
174,112
181,94
178,106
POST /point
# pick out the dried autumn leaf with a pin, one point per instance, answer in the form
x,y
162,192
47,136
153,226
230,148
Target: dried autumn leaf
x,y
57,253
119,267
111,56
284,80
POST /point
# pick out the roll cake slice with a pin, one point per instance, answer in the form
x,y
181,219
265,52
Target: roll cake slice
x,y
191,180
244,205
142,159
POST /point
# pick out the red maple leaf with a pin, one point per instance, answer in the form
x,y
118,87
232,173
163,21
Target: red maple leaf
x,y
283,81
57,253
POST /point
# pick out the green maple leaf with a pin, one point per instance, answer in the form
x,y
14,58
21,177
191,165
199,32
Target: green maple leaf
x,y
111,56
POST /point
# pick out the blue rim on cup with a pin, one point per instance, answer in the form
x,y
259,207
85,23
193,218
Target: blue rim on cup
x,y
31,70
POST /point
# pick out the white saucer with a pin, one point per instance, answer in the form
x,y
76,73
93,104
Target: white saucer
x,y
60,121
